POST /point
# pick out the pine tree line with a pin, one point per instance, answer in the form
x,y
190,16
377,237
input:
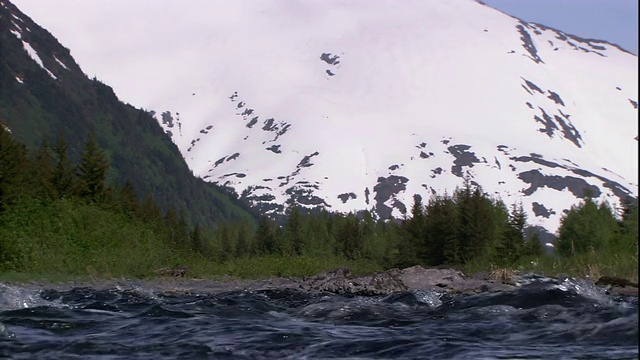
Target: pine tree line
x,y
48,178
449,230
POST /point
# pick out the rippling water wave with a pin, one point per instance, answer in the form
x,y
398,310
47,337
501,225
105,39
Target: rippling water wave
x,y
542,319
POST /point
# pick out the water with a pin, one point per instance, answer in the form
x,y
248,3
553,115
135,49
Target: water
x,y
542,319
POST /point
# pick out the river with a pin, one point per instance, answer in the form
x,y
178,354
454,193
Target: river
x,y
541,319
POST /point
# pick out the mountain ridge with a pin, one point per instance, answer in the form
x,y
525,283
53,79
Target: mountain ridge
x,y
45,94
411,100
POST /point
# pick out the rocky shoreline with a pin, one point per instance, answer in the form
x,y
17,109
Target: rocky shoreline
x,y
342,282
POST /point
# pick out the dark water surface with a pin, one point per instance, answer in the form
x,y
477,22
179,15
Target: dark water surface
x,y
542,319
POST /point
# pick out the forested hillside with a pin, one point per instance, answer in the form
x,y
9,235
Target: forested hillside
x,y
45,95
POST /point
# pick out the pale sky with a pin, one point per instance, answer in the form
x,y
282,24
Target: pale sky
x,y
613,20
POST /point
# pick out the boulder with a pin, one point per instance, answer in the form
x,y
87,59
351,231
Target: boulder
x,y
450,280
341,282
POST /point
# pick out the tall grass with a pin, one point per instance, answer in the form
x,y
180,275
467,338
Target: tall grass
x,y
591,265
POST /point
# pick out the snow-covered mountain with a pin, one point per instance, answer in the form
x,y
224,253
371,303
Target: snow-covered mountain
x,y
358,104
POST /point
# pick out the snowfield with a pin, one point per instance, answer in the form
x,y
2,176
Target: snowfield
x,y
358,104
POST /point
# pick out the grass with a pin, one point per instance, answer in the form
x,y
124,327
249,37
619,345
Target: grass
x,y
592,265
276,266
245,268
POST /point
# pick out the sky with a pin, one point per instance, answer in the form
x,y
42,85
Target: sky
x,y
613,20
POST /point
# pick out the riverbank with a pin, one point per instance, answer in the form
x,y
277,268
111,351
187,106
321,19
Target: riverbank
x,y
339,281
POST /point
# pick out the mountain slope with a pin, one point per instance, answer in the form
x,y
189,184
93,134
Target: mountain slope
x,y
359,105
44,92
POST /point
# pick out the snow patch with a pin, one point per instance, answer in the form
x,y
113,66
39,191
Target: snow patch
x,y
17,18
61,63
34,55
400,74
16,33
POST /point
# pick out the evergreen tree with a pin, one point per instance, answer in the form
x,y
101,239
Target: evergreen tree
x,y
13,168
293,232
265,238
441,232
587,226
226,243
42,172
510,245
628,239
319,242
183,237
243,241
481,221
373,246
197,242
128,200
412,243
92,171
63,177
171,226
350,237
388,231
532,246
149,210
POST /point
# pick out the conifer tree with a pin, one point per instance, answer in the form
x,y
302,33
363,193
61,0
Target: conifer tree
x,y
63,177
42,172
13,168
413,247
373,246
350,237
197,243
478,221
92,172
441,231
128,200
510,245
226,243
149,210
316,234
587,226
532,246
388,231
183,238
265,238
243,241
293,232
